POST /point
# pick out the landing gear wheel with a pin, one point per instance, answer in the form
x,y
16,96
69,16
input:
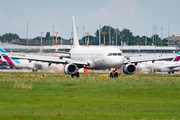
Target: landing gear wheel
x,y
111,75
75,74
116,74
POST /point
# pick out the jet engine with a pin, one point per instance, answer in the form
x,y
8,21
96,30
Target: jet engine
x,y
129,69
164,70
70,69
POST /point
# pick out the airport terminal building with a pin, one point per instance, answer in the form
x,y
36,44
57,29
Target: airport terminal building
x,y
174,40
131,50
34,47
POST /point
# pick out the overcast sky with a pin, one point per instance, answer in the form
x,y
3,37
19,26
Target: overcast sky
x,y
131,14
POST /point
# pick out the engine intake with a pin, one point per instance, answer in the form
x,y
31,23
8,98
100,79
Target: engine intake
x,y
70,69
129,69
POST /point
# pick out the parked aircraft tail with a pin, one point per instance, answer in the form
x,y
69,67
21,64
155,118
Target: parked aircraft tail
x,y
6,58
177,58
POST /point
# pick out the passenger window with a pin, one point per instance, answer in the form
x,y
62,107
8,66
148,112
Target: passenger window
x,y
114,54
119,54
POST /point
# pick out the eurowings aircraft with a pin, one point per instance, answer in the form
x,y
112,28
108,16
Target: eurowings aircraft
x,y
98,58
161,66
22,63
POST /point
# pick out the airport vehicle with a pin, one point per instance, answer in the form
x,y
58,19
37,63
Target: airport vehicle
x,y
97,58
161,66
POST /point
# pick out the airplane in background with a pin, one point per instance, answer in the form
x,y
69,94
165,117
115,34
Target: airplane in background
x,y
97,58
20,63
2,62
161,66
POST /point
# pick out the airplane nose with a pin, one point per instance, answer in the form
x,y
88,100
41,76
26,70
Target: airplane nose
x,y
118,62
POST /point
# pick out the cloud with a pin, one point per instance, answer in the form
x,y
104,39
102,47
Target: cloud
x,y
128,7
17,21
114,11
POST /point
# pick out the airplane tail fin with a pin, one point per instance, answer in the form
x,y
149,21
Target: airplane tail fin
x,y
177,58
5,57
75,36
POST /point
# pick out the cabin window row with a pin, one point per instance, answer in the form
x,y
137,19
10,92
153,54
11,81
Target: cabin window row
x,y
114,54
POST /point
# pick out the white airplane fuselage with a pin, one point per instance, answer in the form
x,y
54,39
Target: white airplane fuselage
x,y
160,65
99,57
26,63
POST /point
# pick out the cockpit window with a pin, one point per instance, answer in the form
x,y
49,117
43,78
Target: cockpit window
x,y
110,54
114,54
119,54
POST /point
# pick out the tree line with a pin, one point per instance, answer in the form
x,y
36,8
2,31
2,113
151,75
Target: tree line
x,y
127,36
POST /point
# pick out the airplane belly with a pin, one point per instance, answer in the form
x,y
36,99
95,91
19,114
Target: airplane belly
x,y
100,64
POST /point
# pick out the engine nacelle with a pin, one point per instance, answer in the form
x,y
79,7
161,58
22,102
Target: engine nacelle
x,y
164,70
70,69
91,64
129,69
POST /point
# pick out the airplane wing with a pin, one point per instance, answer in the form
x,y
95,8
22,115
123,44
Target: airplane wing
x,y
55,60
146,58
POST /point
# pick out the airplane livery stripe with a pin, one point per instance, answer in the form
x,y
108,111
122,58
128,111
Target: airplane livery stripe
x,y
16,61
177,58
8,60
2,50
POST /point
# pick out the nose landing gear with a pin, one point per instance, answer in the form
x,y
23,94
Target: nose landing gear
x,y
114,73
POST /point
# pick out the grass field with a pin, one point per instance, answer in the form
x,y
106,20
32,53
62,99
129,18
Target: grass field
x,y
58,96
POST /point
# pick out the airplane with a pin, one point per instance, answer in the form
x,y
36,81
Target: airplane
x,y
97,58
161,66
20,63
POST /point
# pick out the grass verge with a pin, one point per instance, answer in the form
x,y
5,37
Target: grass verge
x,y
58,96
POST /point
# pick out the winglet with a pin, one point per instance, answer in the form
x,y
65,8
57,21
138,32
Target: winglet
x,y
75,36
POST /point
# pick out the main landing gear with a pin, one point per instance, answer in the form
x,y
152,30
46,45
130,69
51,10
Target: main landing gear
x,y
171,72
75,74
114,73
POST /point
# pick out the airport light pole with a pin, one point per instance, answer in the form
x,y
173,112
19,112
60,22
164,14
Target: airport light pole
x,y
109,33
41,43
116,33
168,28
155,38
146,35
71,38
61,32
161,38
83,34
99,33
41,38
27,35
53,36
56,40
